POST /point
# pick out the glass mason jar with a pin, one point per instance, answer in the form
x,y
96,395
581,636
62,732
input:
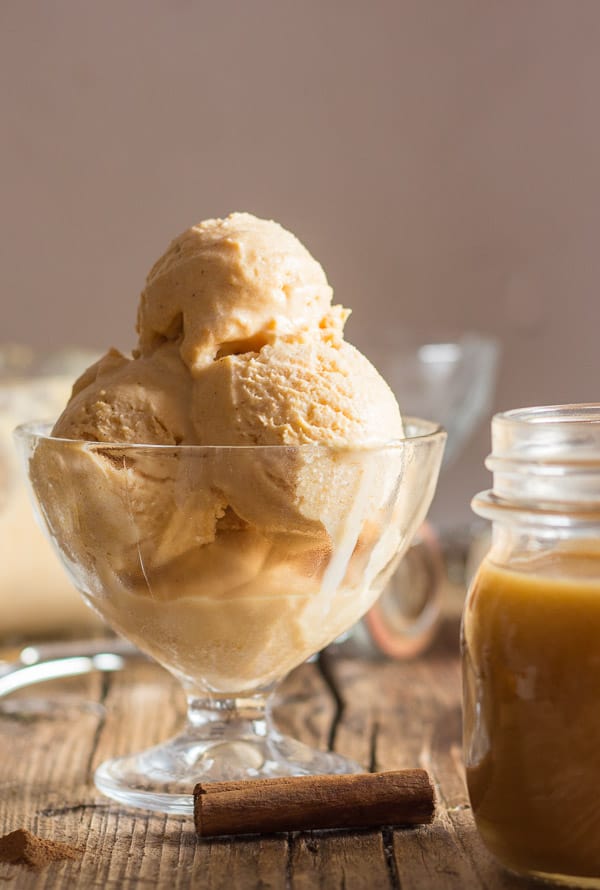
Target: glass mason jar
x,y
531,648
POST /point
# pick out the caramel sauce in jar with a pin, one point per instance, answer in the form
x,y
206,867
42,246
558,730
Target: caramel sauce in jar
x,y
531,648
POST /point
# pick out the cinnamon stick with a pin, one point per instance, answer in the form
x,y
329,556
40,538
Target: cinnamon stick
x,y
296,803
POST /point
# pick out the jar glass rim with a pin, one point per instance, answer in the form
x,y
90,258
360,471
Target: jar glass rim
x,y
566,435
588,412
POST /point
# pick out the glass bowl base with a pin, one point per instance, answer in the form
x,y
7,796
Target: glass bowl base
x,y
163,778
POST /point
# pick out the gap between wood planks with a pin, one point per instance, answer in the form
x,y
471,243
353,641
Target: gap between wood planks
x,y
323,663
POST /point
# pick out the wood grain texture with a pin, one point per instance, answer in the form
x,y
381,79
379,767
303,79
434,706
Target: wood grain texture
x,y
386,715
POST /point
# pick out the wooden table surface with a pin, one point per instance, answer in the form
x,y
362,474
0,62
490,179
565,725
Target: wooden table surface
x,y
386,715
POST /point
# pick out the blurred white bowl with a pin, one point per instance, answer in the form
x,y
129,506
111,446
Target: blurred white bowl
x,y
36,598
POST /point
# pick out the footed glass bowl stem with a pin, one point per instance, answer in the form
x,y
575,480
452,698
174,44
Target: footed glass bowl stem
x,y
225,739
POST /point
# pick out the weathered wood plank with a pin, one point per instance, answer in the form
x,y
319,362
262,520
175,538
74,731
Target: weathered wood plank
x,y
330,860
431,857
384,714
47,738
304,707
51,792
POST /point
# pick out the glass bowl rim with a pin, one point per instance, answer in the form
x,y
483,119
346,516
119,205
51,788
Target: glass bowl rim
x,y
432,431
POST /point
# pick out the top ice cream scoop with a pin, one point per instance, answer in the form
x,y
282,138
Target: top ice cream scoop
x,y
238,344
230,285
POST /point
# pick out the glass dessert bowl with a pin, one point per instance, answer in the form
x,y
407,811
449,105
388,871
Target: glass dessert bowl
x,y
229,565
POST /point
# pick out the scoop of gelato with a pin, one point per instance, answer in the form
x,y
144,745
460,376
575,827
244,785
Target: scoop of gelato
x,y
143,400
230,285
300,390
308,390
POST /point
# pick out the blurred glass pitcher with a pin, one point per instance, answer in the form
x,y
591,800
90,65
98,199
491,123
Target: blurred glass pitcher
x,y
450,380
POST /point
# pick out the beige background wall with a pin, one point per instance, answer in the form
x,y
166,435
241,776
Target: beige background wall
x,y
440,157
